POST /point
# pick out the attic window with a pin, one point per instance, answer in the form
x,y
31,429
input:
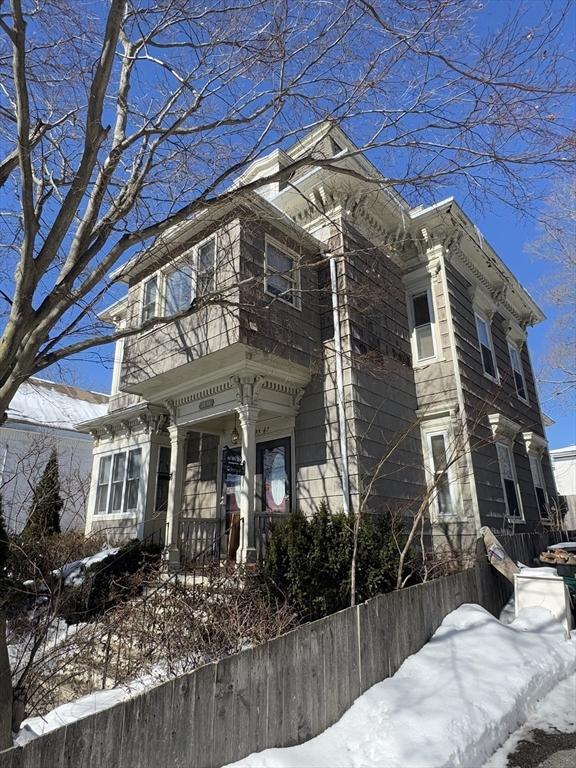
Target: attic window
x,y
336,148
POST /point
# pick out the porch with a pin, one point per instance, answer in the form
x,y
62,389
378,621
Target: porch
x,y
213,541
230,462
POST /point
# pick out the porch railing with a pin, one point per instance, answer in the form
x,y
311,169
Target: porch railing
x,y
198,535
264,523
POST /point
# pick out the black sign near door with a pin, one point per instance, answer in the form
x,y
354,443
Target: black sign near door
x,y
232,463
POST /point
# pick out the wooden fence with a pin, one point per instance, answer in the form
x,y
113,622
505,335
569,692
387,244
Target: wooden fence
x,y
277,694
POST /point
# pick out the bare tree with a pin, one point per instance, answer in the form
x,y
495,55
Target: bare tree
x,y
556,245
122,120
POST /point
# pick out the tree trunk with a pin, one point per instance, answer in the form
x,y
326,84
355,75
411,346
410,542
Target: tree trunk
x,y
5,689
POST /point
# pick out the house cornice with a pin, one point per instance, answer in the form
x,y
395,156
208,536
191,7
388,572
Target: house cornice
x,y
469,253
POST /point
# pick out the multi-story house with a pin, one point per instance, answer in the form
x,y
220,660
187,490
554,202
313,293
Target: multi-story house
x,y
42,417
329,343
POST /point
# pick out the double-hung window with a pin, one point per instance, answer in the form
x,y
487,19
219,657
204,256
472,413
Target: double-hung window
x,y
486,347
150,299
205,267
178,289
539,486
518,372
423,325
281,277
118,482
442,485
509,482
103,484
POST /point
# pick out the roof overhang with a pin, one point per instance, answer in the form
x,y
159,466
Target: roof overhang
x,y
176,240
475,256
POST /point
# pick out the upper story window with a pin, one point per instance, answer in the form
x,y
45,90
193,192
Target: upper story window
x,y
509,481
518,372
150,299
205,267
118,482
178,289
486,347
173,289
423,325
281,275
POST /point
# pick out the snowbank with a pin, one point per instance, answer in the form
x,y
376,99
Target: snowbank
x,y
82,707
73,573
554,713
449,705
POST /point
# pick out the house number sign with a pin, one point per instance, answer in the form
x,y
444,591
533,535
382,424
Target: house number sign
x,y
203,404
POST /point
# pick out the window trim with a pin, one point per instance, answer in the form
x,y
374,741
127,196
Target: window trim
x,y
481,316
509,447
418,289
162,273
297,289
108,513
513,347
539,483
442,426
155,276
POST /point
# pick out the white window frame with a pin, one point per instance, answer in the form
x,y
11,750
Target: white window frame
x,y
294,278
514,348
154,277
480,316
508,446
442,427
414,294
539,482
122,512
161,276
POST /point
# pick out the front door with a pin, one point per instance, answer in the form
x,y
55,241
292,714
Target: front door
x,y
273,476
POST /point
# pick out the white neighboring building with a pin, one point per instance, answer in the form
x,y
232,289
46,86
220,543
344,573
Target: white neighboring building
x,y
564,466
43,415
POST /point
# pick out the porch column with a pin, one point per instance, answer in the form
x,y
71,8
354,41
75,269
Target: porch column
x,y
248,416
171,551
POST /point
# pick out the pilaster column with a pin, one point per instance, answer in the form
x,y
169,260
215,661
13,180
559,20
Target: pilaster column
x,y
171,551
248,416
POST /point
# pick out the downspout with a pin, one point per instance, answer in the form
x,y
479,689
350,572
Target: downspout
x,y
344,474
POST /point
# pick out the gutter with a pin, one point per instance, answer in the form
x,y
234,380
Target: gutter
x,y
344,472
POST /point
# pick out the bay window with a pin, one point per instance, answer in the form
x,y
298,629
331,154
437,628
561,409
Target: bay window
x,y
150,299
205,267
281,278
118,482
178,288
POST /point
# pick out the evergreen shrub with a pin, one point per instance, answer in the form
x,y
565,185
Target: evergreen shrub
x,y
309,560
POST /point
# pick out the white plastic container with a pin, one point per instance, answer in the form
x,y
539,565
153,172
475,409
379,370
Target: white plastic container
x,y
543,588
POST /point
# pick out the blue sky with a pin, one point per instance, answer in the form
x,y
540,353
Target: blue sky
x,y
506,229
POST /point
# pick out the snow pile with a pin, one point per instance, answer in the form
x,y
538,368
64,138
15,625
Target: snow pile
x,y
556,712
451,704
73,573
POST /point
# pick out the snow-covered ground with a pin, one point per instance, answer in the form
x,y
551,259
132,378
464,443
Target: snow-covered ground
x,y
556,712
452,704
